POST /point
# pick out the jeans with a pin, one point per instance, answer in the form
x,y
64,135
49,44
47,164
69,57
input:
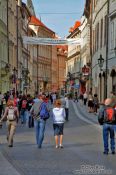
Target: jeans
x,y
23,115
39,129
108,129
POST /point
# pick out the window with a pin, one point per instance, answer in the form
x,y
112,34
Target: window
x,y
105,30
97,36
101,33
112,35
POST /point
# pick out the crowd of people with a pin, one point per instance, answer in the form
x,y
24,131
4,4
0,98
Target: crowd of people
x,y
34,112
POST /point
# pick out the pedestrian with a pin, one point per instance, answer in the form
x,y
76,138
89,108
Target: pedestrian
x,y
85,98
12,115
81,99
58,114
40,114
107,118
90,102
23,109
95,103
29,118
67,107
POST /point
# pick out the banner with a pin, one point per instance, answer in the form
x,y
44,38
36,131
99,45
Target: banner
x,y
50,41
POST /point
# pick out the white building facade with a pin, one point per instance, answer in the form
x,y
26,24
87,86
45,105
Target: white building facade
x,y
112,47
99,45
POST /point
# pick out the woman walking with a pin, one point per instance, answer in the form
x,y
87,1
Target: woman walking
x,y
12,114
58,123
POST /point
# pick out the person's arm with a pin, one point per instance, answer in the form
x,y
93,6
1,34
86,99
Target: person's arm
x,y
5,114
31,110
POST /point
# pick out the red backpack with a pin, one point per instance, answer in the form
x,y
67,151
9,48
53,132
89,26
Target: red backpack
x,y
110,114
24,104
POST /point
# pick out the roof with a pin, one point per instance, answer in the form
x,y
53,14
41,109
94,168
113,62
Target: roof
x,y
37,22
76,25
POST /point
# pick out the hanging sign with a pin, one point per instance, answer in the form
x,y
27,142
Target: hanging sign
x,y
50,41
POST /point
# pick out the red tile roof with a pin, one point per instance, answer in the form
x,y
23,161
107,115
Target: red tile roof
x,y
35,21
76,25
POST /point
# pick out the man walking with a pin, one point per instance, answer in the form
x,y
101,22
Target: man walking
x,y
38,111
107,117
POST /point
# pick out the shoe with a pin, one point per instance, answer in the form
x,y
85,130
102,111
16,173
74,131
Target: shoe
x,y
39,147
61,146
113,152
57,146
105,152
10,145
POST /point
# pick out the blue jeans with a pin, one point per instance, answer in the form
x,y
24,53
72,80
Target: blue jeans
x,y
108,129
39,129
23,115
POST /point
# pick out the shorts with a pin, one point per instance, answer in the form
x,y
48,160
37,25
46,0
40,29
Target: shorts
x,y
58,129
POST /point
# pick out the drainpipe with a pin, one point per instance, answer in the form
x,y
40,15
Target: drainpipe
x,y
8,30
107,42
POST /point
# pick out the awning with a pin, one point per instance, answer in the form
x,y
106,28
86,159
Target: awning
x,y
50,41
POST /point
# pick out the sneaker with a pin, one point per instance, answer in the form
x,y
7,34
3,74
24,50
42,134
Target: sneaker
x,y
105,152
61,146
10,145
39,146
57,146
113,152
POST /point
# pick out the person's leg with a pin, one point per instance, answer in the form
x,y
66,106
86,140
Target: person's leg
x,y
8,129
41,132
105,137
22,116
112,139
61,135
61,139
36,125
56,140
12,132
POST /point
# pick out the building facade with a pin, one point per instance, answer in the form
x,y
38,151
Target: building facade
x,y
99,47
112,47
73,63
85,53
4,77
44,56
61,69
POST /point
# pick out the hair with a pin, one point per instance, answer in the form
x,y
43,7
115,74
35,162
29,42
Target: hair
x,y
10,103
108,101
57,103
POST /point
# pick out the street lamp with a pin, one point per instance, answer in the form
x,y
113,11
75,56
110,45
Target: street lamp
x,y
100,61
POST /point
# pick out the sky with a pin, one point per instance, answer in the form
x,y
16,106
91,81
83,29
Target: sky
x,y
59,15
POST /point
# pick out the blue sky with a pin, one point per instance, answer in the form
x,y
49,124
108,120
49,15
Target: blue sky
x,y
59,23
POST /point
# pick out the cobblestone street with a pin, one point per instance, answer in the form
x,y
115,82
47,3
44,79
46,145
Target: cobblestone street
x,y
82,147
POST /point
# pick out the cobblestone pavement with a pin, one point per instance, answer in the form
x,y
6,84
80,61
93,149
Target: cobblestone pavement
x,y
82,149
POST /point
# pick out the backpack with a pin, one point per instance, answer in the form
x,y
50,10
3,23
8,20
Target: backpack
x,y
101,115
109,114
24,104
11,114
44,113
